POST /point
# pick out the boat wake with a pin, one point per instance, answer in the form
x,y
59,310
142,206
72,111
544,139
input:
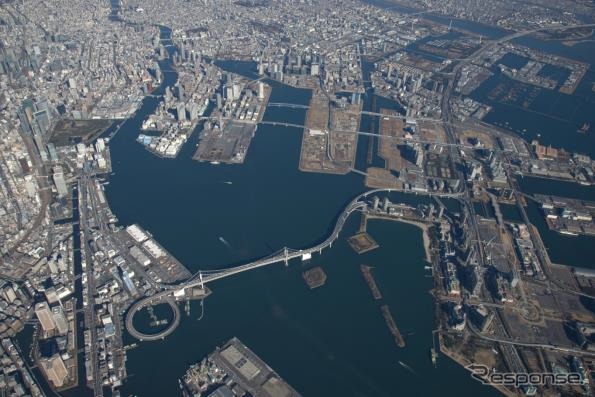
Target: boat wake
x,y
408,368
224,241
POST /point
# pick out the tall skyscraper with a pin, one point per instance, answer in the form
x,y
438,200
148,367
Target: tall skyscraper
x,y
60,182
181,111
55,370
179,92
60,319
314,69
193,111
44,314
236,91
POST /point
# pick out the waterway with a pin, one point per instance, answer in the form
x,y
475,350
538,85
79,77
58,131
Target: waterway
x,y
563,249
551,117
330,341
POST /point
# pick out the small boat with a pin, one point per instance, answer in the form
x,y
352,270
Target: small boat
x,y
428,267
568,233
228,182
407,367
215,163
585,128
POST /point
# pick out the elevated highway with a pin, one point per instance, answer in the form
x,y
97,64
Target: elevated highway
x,y
141,304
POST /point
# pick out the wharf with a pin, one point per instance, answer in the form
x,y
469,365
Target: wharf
x,y
249,372
228,145
228,141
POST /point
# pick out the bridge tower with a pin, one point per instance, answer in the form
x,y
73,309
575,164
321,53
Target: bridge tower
x,y
286,255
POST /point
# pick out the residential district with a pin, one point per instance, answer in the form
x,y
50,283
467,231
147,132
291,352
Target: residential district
x,y
72,276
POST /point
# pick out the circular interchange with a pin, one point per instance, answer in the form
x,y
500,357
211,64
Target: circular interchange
x,y
141,304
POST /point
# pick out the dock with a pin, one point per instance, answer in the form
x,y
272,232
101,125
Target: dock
x,y
392,326
235,367
367,273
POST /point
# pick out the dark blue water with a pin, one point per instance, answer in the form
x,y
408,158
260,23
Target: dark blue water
x,y
562,249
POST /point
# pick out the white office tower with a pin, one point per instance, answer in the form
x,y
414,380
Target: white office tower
x,y
229,93
236,91
181,111
260,90
60,182
314,69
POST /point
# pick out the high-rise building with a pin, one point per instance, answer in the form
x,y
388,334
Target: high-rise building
x,y
193,111
60,319
60,182
236,91
228,93
181,111
260,90
179,92
44,314
314,69
55,370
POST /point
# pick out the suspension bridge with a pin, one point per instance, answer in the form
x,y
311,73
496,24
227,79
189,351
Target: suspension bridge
x,y
202,277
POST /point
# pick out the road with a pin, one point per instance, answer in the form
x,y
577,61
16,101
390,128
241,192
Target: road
x,y
87,207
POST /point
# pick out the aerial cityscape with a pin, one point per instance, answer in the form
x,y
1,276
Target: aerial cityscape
x,y
276,198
